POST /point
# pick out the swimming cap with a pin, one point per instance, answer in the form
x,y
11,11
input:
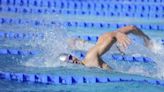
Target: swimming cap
x,y
64,57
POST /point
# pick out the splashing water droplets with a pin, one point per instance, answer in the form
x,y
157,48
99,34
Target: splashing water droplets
x,y
53,43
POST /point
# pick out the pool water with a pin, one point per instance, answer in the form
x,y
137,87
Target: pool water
x,y
54,42
19,64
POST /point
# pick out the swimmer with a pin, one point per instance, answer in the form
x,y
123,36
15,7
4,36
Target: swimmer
x,y
104,43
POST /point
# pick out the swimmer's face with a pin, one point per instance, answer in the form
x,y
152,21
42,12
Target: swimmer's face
x,y
76,61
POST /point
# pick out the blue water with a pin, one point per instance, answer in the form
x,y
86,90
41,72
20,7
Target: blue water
x,y
38,65
55,42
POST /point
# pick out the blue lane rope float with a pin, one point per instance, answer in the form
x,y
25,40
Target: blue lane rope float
x,y
21,35
77,24
95,38
54,3
110,10
18,52
118,57
70,80
29,35
86,5
79,54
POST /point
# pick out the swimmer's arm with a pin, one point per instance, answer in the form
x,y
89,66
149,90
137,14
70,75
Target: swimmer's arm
x,y
134,30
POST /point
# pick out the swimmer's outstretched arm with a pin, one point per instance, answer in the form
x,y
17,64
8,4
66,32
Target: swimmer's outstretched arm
x,y
136,31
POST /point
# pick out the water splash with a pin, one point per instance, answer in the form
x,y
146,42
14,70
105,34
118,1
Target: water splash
x,y
151,70
53,44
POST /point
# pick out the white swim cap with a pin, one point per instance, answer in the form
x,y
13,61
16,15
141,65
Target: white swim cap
x,y
64,57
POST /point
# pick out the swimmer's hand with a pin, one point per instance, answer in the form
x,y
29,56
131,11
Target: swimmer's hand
x,y
122,40
148,42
